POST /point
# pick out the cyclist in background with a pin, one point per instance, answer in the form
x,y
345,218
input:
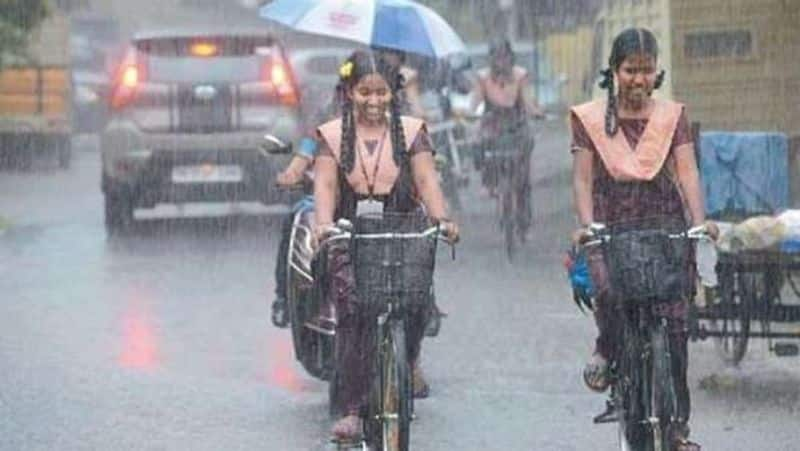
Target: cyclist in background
x,y
504,89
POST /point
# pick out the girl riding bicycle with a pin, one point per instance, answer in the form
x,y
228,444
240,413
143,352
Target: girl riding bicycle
x,y
504,89
634,160
371,160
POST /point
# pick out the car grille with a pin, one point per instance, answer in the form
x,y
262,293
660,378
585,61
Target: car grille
x,y
204,109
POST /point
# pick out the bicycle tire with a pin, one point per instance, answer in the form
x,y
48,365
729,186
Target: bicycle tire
x,y
509,220
622,437
396,395
664,405
629,392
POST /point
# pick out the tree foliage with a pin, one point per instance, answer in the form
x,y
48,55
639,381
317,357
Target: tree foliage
x,y
18,18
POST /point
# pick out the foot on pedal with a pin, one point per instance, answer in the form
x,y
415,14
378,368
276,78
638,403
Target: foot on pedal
x,y
610,415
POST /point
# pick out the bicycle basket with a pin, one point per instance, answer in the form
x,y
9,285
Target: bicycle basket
x,y
647,265
390,266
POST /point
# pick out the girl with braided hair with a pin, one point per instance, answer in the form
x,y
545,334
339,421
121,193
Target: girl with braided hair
x,y
371,155
634,160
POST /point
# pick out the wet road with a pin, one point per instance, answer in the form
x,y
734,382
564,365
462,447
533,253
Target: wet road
x,y
163,340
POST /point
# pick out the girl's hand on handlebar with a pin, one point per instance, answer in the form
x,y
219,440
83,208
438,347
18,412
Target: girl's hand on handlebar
x,y
288,178
711,229
450,230
323,231
581,236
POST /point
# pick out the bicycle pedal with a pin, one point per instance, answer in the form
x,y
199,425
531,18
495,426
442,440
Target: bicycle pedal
x,y
610,415
349,445
606,417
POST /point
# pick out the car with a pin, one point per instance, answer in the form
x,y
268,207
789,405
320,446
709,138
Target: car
x,y
317,72
94,41
194,117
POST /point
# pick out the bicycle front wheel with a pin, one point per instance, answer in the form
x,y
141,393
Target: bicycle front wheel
x,y
628,392
396,396
664,400
509,221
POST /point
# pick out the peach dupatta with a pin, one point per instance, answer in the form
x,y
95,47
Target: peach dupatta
x,y
623,163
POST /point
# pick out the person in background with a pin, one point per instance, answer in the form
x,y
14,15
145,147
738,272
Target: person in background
x,y
504,90
293,175
411,96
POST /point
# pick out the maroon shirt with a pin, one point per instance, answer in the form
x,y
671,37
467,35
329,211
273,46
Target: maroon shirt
x,y
616,201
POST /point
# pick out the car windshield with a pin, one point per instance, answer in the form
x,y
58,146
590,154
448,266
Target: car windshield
x,y
206,59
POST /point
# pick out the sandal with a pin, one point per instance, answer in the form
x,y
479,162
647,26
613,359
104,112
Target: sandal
x,y
434,323
347,429
686,445
680,441
420,388
595,374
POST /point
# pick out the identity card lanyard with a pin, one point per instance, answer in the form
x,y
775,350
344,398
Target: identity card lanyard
x,y
370,206
371,184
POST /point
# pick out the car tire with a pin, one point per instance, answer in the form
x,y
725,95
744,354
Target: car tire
x,y
118,212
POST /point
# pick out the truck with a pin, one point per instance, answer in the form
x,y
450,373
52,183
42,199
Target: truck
x,y
35,96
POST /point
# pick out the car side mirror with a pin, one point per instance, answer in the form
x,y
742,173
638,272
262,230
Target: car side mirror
x,y
275,146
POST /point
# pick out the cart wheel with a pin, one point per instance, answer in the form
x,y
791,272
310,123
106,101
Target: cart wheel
x,y
737,293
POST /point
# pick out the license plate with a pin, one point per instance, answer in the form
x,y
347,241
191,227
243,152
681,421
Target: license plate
x,y
207,173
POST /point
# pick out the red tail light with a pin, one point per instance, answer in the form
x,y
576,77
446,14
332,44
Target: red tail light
x,y
130,77
281,83
126,84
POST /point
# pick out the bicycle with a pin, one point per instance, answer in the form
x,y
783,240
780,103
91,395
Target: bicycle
x,y
505,159
643,391
393,261
448,161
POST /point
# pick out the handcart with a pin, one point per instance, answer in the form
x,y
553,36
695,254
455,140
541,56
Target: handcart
x,y
757,291
757,296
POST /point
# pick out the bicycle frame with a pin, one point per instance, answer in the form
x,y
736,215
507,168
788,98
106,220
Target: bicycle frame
x,y
639,397
643,387
388,415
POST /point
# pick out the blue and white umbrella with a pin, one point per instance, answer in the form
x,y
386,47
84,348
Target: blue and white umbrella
x,y
396,24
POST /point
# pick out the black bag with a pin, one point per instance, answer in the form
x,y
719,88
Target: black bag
x,y
647,265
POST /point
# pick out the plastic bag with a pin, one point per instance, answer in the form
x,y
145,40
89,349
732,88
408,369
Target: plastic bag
x,y
756,233
579,278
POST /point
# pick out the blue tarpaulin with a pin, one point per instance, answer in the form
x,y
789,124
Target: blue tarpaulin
x,y
746,172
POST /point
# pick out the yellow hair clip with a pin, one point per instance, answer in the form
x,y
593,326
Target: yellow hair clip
x,y
346,70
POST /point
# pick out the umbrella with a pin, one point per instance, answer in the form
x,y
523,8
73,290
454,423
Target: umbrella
x,y
395,24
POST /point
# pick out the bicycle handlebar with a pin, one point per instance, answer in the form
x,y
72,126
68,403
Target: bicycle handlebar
x,y
343,231
597,235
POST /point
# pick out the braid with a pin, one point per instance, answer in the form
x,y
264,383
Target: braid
x,y
611,108
346,147
659,79
396,122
